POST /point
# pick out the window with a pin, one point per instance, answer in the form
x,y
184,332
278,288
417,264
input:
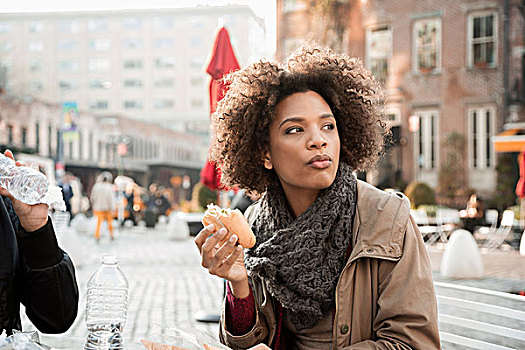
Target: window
x,y
35,86
5,47
197,103
132,63
132,23
197,41
36,27
164,62
49,138
5,27
36,46
132,83
24,136
163,104
197,81
163,23
97,25
133,104
37,137
379,51
101,44
393,116
10,135
427,143
99,84
68,66
67,84
99,65
197,63
164,82
67,45
482,40
132,43
427,45
35,66
68,27
162,43
481,129
196,22
98,104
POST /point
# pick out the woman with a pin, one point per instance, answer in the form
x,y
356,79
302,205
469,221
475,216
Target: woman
x,y
337,263
103,202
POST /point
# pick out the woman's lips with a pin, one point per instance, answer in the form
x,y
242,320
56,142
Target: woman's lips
x,y
320,164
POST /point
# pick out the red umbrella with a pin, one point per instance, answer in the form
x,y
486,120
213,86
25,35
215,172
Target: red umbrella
x,y
520,186
222,62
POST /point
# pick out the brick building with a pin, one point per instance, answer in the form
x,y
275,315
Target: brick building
x,y
452,68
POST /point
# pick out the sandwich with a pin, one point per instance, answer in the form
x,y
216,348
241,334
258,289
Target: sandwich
x,y
233,221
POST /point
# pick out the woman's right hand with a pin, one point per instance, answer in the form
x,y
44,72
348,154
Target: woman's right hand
x,y
226,260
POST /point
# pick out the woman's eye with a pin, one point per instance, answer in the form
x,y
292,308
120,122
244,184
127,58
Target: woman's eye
x,y
293,130
329,127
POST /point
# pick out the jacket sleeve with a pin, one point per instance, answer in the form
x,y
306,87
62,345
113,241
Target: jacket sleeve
x,y
407,307
257,334
46,285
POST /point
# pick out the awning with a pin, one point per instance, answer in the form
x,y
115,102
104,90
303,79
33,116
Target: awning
x,y
512,140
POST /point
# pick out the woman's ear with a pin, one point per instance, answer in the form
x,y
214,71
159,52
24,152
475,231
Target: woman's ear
x,y
267,161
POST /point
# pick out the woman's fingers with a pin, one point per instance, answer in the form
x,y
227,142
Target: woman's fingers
x,y
223,253
203,235
208,248
227,263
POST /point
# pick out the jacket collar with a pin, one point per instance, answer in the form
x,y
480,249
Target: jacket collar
x,y
379,224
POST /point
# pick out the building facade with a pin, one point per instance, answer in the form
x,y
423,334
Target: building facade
x,y
448,69
143,151
145,64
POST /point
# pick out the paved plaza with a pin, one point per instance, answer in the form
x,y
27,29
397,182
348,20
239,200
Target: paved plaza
x,y
168,286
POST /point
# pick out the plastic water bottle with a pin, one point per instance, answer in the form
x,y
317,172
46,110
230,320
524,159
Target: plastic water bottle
x,y
106,306
25,184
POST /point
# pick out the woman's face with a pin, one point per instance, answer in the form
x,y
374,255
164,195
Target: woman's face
x,y
304,143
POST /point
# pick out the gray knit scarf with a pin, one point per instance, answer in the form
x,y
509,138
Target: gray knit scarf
x,y
299,260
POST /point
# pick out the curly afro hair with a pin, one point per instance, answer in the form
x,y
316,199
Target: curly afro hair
x,y
240,125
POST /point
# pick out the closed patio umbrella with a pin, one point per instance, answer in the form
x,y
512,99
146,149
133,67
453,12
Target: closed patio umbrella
x,y
222,62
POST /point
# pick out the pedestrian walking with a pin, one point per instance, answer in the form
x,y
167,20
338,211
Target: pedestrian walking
x,y
34,270
67,192
103,202
337,263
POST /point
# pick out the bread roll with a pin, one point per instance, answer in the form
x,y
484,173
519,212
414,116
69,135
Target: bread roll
x,y
233,221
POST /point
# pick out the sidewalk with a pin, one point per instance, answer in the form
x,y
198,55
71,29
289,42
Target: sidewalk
x,y
168,286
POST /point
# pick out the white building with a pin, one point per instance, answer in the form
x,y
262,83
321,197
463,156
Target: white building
x,y
145,64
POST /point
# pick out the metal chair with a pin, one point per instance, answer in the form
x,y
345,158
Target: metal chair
x,y
447,221
496,237
491,218
421,219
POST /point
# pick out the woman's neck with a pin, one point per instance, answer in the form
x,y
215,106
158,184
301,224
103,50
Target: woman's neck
x,y
300,199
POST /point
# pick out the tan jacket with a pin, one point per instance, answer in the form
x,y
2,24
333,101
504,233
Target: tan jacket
x,y
385,294
102,197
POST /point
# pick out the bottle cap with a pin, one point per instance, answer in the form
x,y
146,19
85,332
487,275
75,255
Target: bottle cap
x,y
109,259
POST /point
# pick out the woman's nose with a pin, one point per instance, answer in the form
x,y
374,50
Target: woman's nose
x,y
316,142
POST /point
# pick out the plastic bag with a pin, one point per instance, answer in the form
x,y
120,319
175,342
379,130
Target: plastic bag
x,y
177,339
23,341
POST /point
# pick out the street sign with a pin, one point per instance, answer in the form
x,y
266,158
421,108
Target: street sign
x,y
122,149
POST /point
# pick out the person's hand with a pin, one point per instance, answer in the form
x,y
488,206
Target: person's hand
x,y
259,347
32,217
223,260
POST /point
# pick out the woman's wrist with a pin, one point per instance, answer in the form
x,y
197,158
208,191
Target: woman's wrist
x,y
240,289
